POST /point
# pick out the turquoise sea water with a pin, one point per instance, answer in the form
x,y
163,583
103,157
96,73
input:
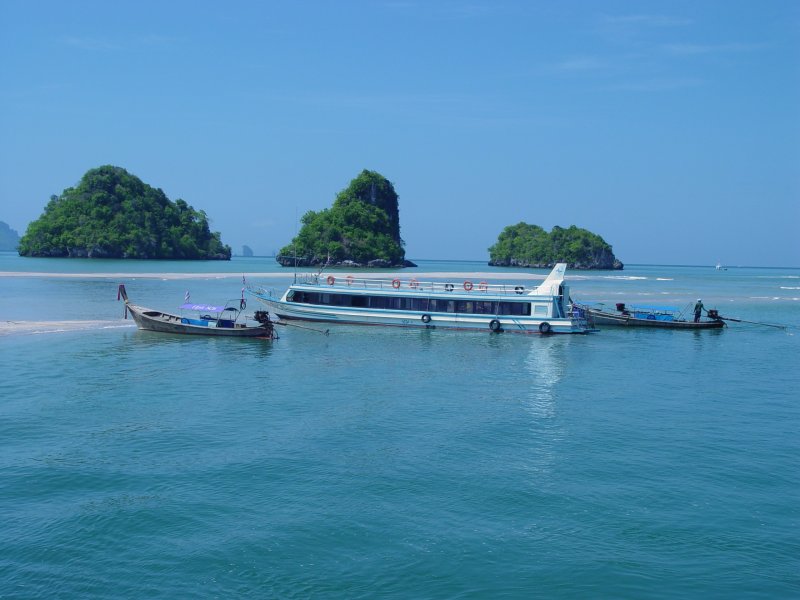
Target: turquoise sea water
x,y
383,463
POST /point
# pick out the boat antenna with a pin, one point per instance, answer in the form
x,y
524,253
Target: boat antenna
x,y
325,266
294,243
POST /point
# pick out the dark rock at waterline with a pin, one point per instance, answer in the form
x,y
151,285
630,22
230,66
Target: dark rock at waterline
x,y
602,265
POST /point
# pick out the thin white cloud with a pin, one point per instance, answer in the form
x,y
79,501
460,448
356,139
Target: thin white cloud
x,y
580,63
697,49
656,85
155,39
647,20
444,10
105,45
89,43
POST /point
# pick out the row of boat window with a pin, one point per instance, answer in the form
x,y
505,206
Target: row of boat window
x,y
474,307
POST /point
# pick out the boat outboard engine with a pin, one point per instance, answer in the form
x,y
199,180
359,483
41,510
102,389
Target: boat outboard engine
x,y
262,316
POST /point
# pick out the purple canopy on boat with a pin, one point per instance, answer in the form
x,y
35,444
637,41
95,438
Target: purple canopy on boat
x,y
203,307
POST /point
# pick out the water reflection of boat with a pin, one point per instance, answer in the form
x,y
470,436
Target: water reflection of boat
x,y
545,367
204,319
643,315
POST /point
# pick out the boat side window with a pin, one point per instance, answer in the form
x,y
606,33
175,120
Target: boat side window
x,y
540,310
415,303
464,306
340,300
377,302
443,306
359,301
514,308
484,308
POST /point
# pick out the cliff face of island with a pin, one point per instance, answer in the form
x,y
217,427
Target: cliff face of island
x,y
530,246
361,229
113,214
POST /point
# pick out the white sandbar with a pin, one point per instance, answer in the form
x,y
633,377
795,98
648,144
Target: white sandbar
x,y
475,277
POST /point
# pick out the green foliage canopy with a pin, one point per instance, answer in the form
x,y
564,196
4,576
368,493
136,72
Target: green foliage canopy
x,y
362,226
528,245
113,214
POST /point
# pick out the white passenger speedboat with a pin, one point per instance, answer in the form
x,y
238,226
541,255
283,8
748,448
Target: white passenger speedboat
x,y
411,303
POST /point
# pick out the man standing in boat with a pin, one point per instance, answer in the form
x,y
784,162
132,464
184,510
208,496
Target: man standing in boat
x,y
698,307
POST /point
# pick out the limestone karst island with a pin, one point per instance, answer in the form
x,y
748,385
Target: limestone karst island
x,y
361,229
9,239
113,214
530,246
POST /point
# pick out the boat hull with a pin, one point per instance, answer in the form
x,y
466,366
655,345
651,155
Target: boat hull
x,y
152,320
603,319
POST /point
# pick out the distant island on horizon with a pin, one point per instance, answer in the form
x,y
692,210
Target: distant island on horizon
x,y
9,238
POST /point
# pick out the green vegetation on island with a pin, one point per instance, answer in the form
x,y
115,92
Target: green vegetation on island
x,y
530,246
113,214
362,228
9,239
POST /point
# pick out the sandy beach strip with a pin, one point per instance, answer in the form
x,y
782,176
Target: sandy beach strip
x,y
28,327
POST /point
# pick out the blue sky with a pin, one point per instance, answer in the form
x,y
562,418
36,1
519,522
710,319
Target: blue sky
x,y
672,129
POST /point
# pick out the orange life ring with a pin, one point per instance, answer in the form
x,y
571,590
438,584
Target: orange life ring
x,y
396,283
468,286
349,280
483,286
413,283
331,279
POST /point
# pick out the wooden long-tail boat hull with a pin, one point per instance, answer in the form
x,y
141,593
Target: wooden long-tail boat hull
x,y
153,320
603,318
156,320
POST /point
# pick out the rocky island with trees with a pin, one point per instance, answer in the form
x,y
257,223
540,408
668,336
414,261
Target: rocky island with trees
x,y
530,246
113,214
361,229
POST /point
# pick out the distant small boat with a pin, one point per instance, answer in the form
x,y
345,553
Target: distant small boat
x,y
206,319
665,317
720,267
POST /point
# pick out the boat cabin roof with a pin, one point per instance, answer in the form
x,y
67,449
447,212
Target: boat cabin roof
x,y
209,308
552,286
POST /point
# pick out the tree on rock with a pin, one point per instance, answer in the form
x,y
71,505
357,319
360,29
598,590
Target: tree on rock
x,y
362,228
113,214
